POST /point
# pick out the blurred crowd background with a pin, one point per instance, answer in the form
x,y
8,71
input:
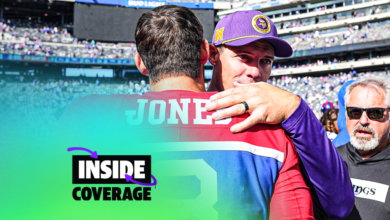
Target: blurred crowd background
x,y
46,60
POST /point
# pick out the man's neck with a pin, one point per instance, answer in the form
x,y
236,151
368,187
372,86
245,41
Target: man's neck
x,y
214,84
368,154
179,83
213,87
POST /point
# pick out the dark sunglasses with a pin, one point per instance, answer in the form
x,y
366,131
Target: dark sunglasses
x,y
372,113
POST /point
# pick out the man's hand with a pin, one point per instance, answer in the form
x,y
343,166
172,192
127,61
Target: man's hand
x,y
267,104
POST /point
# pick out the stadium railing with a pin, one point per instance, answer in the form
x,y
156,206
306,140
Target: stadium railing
x,y
339,66
374,33
331,11
260,4
335,24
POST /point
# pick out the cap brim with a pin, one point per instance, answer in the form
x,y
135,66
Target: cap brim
x,y
282,48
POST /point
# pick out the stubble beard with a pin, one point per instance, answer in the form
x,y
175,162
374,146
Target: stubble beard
x,y
364,144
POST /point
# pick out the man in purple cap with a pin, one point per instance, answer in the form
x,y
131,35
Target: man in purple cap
x,y
243,50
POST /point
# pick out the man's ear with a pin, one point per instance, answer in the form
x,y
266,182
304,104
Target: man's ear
x,y
140,65
214,55
204,52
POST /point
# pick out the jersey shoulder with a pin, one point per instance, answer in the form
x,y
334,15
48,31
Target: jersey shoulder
x,y
165,110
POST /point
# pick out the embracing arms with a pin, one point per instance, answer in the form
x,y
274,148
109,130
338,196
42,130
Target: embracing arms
x,y
323,168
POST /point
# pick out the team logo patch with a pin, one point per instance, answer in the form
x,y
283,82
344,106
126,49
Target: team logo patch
x,y
261,24
370,190
219,34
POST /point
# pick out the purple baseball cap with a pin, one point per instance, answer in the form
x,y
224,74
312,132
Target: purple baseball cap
x,y
244,27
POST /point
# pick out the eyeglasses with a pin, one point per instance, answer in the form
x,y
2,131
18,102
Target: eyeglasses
x,y
372,113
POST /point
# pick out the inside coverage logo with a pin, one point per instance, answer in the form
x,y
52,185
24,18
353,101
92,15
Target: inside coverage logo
x,y
112,169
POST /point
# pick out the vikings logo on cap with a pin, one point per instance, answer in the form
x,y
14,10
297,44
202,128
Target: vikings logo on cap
x,y
261,24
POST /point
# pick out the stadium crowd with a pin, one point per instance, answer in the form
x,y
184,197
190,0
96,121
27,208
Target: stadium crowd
x,y
350,35
354,14
46,39
318,90
47,97
318,63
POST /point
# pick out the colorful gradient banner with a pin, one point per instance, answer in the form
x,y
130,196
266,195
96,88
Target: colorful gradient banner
x,y
36,172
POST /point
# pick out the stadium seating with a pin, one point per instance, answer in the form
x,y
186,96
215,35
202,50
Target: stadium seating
x,y
61,43
68,50
32,38
42,101
375,32
317,90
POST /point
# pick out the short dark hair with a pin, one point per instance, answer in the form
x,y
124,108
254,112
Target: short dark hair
x,y
168,39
